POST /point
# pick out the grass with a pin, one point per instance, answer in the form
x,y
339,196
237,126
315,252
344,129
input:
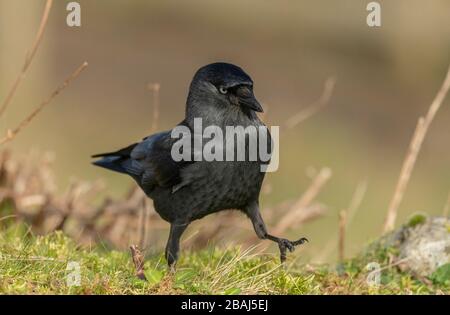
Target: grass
x,y
32,264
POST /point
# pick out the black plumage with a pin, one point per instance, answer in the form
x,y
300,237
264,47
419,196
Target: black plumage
x,y
221,95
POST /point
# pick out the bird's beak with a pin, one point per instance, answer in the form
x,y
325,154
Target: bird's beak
x,y
247,99
252,104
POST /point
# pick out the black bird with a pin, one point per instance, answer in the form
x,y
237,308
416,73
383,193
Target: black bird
x,y
221,94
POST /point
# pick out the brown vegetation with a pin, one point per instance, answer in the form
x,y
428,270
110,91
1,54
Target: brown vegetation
x,y
28,189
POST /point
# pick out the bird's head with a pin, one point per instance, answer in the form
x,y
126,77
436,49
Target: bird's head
x,y
221,87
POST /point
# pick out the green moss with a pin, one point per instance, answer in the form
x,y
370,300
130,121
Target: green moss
x,y
442,275
416,219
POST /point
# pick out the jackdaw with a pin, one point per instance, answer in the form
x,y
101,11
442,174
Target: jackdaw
x,y
185,190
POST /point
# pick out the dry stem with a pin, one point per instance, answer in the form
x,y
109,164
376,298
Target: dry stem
x,y
414,149
154,87
446,207
342,229
308,196
351,211
314,107
12,133
143,223
29,57
138,260
356,201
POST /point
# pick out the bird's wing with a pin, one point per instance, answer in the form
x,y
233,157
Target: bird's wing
x,y
149,162
154,157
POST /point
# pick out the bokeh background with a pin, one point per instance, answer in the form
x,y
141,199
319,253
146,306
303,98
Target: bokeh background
x,y
385,79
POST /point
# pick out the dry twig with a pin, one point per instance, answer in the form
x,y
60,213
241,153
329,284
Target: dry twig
x,y
414,148
356,201
154,87
145,213
297,212
12,133
342,230
351,211
314,107
446,207
138,260
29,57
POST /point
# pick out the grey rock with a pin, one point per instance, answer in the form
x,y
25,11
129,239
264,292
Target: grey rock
x,y
423,244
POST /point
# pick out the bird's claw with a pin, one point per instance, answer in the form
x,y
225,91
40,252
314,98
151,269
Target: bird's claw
x,y
300,241
284,244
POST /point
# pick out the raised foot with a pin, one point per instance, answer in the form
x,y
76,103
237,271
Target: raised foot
x,y
284,244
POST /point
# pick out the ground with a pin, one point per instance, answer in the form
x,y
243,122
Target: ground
x,y
32,264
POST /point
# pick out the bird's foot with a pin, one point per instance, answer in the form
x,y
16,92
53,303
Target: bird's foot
x,y
284,244
172,269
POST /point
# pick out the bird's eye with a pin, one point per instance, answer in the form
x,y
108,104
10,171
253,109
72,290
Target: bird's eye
x,y
223,90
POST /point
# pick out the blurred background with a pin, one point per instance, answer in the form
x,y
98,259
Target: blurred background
x,y
386,78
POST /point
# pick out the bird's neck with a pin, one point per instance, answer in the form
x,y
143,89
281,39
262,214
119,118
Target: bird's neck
x,y
221,117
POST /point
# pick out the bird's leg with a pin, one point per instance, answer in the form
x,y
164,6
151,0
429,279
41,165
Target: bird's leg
x,y
261,231
173,244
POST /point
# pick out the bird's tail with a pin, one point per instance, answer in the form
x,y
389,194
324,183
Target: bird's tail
x,y
116,161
